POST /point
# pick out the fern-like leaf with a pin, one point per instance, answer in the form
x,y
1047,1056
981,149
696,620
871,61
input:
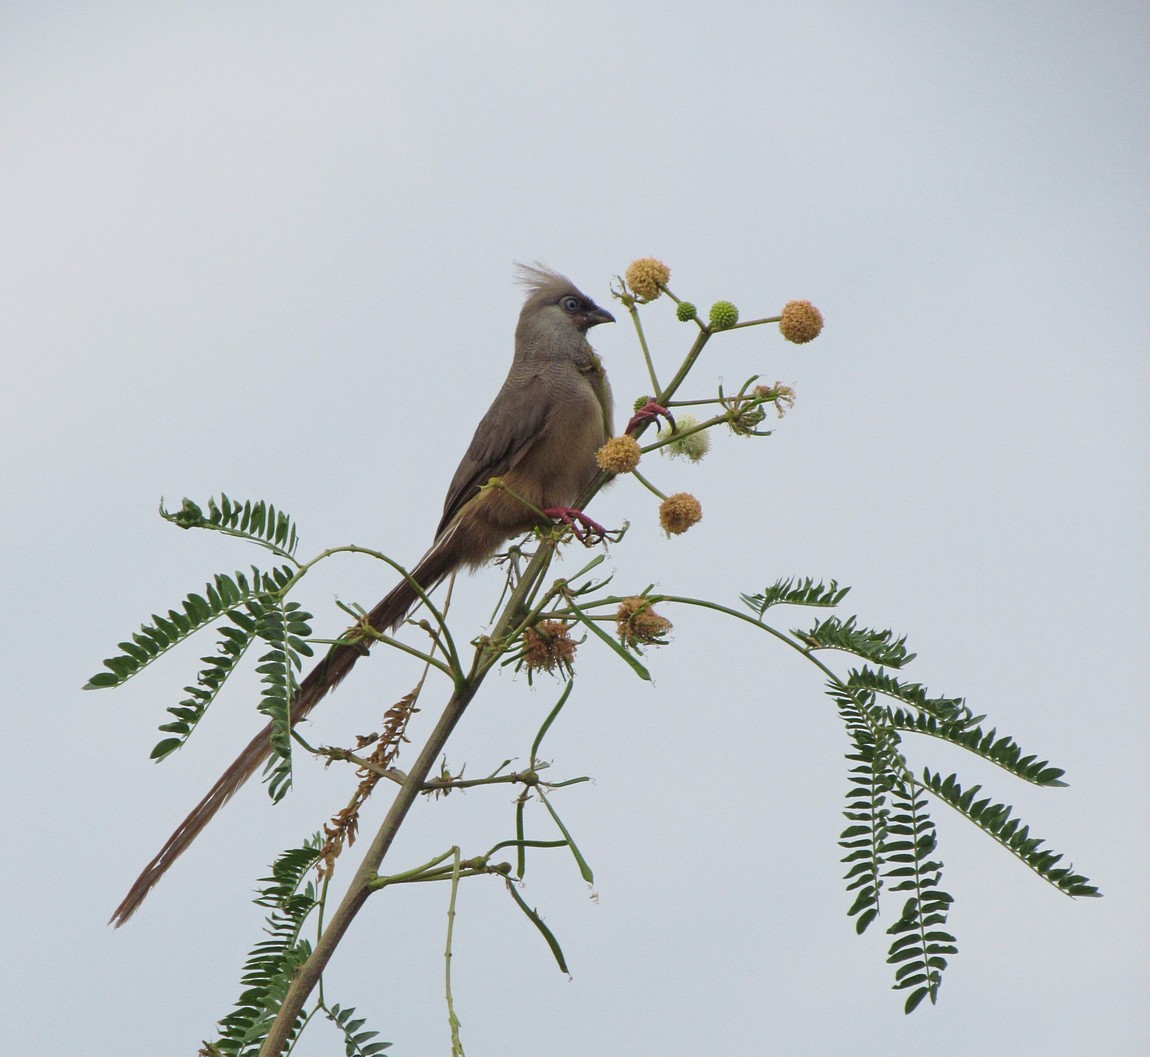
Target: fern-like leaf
x,y
1003,751
921,943
952,709
223,595
356,1043
795,592
997,821
878,765
284,626
271,963
257,521
879,647
232,645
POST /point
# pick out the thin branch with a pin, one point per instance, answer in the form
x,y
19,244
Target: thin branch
x,y
309,973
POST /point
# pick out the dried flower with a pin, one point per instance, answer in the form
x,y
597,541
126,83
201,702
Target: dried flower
x,y
679,512
639,624
800,322
746,419
645,276
782,395
619,454
724,315
693,446
548,644
686,311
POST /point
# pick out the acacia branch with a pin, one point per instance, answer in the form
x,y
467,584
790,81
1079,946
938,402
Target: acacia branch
x,y
309,973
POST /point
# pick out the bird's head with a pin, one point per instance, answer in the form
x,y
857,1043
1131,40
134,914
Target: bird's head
x,y
554,304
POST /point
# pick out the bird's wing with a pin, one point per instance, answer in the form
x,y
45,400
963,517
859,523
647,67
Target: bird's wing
x,y
511,426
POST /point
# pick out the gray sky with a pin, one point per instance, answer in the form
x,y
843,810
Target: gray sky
x,y
266,249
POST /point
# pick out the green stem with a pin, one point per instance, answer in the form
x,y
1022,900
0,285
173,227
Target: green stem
x,y
643,345
526,844
681,374
647,484
309,973
452,1019
440,618
516,777
756,322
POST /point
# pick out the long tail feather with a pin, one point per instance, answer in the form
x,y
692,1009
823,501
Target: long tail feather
x,y
324,677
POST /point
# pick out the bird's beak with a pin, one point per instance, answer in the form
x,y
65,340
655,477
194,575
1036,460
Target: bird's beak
x,y
599,315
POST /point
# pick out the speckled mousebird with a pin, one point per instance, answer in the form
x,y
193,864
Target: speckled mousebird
x,y
539,436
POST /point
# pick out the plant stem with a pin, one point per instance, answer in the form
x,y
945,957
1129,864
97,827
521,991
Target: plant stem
x,y
452,1019
309,973
643,345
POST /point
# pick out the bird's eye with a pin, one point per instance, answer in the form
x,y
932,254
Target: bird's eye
x,y
570,304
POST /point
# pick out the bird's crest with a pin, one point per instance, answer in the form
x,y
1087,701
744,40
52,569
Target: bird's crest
x,y
543,283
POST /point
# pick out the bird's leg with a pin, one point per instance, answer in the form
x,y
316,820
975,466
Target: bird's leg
x,y
650,410
586,531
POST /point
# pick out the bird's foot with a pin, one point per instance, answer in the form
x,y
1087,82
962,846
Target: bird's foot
x,y
585,530
650,410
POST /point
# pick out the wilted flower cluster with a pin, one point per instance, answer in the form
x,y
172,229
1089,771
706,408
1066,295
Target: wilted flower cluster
x,y
638,624
548,645
645,276
800,322
693,446
679,512
782,395
619,454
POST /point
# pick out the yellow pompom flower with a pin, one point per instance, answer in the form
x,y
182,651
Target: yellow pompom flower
x,y
800,322
645,276
679,512
619,454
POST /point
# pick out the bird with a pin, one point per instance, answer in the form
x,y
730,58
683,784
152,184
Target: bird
x,y
539,438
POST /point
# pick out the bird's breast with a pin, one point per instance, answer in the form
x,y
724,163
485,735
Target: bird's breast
x,y
561,462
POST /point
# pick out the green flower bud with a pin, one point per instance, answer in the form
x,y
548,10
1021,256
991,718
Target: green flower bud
x,y
724,315
686,311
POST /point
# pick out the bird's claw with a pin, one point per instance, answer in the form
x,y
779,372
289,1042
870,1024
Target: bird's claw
x,y
650,410
585,530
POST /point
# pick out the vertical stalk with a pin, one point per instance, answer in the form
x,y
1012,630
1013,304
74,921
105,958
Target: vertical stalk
x,y
309,973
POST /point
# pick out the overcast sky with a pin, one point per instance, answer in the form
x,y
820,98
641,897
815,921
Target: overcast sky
x,y
267,249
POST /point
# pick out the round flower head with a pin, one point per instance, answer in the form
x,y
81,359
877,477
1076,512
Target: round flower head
x,y
645,276
686,311
679,512
693,446
637,623
548,644
800,322
619,454
724,315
